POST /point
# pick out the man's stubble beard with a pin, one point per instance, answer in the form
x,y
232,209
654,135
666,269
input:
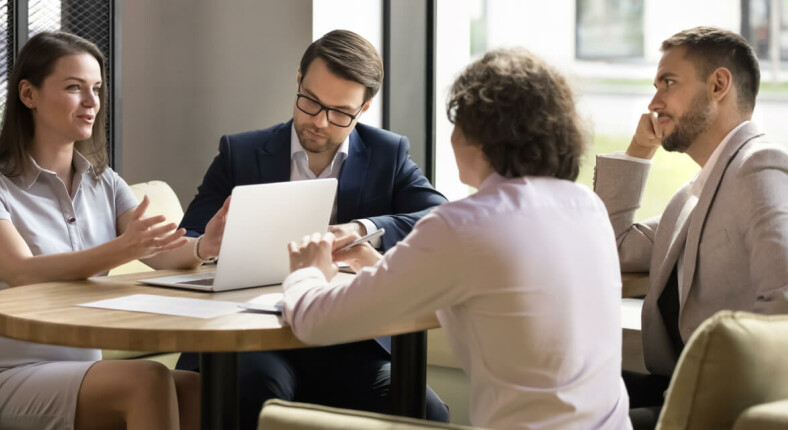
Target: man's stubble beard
x,y
689,126
308,145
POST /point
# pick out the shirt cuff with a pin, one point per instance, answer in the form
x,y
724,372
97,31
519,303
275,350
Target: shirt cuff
x,y
296,285
302,275
621,155
371,228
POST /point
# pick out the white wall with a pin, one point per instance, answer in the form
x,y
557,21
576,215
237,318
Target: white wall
x,y
364,17
193,70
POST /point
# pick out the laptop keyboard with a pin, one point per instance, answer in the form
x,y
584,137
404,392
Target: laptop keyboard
x,y
204,281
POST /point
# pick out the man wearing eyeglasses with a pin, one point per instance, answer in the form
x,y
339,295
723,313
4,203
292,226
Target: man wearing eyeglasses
x,y
379,187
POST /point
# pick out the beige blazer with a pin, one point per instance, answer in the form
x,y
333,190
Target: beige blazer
x,y
736,237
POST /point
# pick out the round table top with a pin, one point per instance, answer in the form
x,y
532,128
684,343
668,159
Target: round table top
x,y
634,284
48,313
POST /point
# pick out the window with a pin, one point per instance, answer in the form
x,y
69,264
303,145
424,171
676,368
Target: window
x,y
612,71
44,15
755,25
92,19
609,28
758,17
6,50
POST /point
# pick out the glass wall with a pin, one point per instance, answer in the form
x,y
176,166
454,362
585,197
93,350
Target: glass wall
x,y
6,50
91,19
608,50
609,29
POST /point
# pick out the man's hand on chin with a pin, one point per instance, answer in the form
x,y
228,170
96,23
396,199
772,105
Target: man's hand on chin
x,y
647,138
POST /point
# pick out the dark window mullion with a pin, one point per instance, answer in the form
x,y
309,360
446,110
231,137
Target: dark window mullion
x,y
19,26
429,89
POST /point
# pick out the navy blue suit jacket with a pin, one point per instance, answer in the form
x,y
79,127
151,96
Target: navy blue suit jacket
x,y
378,180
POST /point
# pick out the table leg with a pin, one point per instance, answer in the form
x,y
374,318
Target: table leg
x,y
409,374
220,399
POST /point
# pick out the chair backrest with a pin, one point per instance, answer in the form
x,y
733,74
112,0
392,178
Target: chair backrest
x,y
282,415
163,201
733,361
766,416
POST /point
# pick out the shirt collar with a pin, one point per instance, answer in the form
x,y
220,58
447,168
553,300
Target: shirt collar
x,y
705,171
80,163
295,146
492,180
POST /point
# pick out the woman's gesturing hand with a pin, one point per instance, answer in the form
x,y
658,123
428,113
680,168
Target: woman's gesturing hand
x,y
146,237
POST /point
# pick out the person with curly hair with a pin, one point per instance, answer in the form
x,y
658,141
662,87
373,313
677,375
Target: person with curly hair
x,y
523,275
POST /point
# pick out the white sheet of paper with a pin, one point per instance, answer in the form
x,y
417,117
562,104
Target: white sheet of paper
x,y
180,306
270,299
630,313
270,303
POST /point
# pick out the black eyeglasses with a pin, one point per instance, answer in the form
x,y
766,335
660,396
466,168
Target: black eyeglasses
x,y
313,107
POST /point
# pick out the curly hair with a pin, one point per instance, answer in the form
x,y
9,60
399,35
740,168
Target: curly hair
x,y
522,114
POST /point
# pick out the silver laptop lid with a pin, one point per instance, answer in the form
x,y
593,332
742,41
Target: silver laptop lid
x,y
261,221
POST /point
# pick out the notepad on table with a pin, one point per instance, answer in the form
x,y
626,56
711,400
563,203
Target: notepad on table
x,y
179,306
267,303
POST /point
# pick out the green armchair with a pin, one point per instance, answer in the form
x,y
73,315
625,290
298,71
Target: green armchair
x,y
282,415
733,373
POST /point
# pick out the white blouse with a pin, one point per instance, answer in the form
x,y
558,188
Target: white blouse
x,y
51,221
524,278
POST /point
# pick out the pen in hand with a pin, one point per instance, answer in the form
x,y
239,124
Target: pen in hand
x,y
363,239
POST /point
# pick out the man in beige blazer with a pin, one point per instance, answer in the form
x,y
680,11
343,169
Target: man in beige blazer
x,y
722,242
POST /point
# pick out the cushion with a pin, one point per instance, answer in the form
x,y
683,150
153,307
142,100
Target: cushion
x,y
163,201
282,415
168,359
733,361
768,416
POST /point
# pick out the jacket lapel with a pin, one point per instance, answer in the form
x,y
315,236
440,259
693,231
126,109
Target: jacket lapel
x,y
698,218
676,216
273,157
351,179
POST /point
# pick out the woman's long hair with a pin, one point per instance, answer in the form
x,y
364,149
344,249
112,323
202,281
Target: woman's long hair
x,y
37,61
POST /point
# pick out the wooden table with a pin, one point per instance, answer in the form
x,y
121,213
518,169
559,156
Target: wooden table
x,y
47,313
635,286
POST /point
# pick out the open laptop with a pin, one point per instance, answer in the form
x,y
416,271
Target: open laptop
x,y
261,221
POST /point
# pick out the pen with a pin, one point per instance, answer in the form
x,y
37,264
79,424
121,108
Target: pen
x,y
361,240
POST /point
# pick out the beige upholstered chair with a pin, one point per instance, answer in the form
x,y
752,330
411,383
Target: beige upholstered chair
x,y
163,201
282,415
733,373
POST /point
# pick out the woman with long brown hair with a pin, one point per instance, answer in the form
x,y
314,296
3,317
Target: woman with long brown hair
x,y
64,214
